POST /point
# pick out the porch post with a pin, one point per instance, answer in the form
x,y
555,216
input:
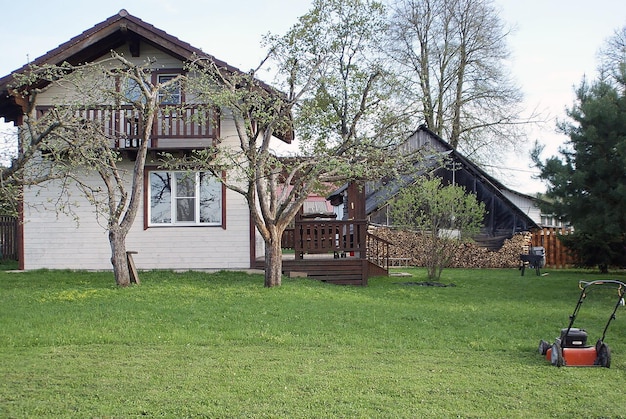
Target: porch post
x,y
356,213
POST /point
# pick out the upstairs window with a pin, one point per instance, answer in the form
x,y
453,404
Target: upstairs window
x,y
132,91
184,199
171,95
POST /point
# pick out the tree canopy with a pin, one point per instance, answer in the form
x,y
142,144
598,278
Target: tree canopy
x,y
451,57
444,214
337,98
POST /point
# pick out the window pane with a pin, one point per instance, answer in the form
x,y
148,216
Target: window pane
x,y
132,91
171,95
210,199
160,198
185,184
185,209
185,196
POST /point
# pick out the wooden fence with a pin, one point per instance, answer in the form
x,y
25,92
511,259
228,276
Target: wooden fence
x,y
8,237
557,255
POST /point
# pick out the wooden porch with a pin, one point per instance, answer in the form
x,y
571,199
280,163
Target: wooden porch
x,y
338,252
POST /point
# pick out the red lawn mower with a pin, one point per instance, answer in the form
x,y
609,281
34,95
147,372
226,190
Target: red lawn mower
x,y
570,348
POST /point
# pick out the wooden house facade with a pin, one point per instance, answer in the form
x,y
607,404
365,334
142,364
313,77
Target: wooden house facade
x,y
217,233
212,230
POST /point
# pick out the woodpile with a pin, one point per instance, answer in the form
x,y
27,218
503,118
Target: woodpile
x,y
411,247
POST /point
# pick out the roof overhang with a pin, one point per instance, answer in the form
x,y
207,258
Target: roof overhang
x,y
101,39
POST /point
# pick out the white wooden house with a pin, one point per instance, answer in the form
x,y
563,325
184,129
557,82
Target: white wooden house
x,y
214,233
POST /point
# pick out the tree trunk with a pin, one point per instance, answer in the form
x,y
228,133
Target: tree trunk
x,y
273,262
119,259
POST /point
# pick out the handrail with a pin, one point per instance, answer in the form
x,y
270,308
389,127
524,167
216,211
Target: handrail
x,y
378,250
339,237
582,285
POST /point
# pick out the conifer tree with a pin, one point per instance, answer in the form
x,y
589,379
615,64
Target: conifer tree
x,y
587,183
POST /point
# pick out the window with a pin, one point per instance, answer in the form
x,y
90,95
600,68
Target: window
x,y
171,95
184,198
132,91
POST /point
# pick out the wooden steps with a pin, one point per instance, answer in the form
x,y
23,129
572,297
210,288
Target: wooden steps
x,y
336,271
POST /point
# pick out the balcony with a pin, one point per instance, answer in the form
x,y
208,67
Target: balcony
x,y
187,128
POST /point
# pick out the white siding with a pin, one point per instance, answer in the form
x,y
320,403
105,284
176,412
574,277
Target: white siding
x,y
526,205
57,241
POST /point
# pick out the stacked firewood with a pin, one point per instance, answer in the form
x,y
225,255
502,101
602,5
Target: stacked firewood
x,y
413,246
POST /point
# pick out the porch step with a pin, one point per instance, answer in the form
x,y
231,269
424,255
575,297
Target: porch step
x,y
335,271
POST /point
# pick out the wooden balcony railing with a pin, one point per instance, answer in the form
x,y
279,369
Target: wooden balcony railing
x,y
123,124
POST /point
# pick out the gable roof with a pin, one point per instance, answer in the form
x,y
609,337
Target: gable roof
x,y
467,173
110,34
95,42
471,165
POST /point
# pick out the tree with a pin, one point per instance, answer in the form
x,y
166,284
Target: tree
x,y
335,97
612,56
586,185
443,214
65,144
452,58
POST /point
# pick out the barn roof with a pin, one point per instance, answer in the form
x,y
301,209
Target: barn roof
x,y
503,214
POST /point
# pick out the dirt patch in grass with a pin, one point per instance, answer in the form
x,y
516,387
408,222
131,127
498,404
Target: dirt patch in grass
x,y
427,284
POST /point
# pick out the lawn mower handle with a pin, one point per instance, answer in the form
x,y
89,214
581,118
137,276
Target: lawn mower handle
x,y
583,285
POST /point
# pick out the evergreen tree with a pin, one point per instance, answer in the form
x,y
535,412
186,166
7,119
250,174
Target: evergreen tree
x,y
587,184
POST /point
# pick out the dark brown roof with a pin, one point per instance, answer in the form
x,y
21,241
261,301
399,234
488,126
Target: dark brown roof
x,y
111,33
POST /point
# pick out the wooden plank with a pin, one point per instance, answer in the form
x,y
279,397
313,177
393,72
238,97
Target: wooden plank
x,y
336,271
134,276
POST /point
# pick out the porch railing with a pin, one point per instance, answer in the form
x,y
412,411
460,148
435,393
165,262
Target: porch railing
x,y
322,236
123,124
378,250
338,237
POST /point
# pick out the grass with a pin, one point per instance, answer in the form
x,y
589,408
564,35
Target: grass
x,y
221,345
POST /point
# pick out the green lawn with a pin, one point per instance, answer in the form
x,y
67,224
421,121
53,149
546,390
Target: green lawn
x,y
221,346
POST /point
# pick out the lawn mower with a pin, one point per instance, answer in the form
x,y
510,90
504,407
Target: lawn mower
x,y
570,348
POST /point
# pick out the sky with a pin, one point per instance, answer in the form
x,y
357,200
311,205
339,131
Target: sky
x,y
553,45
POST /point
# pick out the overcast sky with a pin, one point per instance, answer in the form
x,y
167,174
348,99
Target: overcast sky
x,y
553,46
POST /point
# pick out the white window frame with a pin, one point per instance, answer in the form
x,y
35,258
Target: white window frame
x,y
174,198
